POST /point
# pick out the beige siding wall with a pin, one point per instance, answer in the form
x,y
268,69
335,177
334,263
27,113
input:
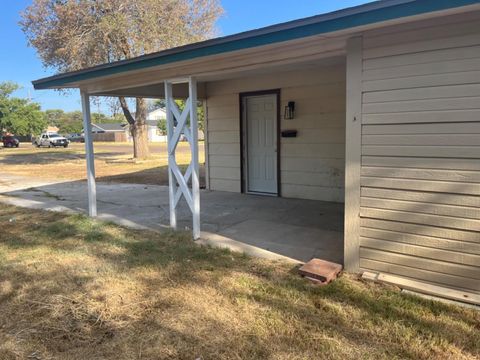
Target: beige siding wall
x,y
312,164
420,174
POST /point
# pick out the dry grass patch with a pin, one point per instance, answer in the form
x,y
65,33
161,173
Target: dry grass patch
x,y
111,163
73,288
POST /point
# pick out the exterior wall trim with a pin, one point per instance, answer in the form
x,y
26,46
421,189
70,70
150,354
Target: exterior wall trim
x,y
353,138
206,144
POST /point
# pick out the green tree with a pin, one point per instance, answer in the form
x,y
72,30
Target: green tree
x,y
19,116
119,118
74,34
162,125
73,122
67,122
55,117
99,118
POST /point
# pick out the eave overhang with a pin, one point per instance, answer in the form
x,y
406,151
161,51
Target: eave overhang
x,y
322,25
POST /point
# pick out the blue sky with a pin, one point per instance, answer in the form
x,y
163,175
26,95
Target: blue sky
x,y
19,63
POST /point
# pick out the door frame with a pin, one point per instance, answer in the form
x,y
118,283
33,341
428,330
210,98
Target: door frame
x,y
243,144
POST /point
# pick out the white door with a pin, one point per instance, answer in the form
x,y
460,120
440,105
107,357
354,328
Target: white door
x,y
261,144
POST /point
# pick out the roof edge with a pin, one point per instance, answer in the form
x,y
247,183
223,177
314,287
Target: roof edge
x,y
353,17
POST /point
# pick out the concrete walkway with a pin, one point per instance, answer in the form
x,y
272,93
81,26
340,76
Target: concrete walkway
x,y
278,228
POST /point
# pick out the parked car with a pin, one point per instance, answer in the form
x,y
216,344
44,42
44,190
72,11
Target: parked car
x,y
76,137
51,139
10,141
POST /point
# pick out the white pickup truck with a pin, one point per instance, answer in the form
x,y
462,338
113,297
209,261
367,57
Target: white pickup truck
x,y
51,140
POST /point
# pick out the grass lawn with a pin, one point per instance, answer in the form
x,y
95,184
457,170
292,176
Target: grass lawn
x,y
74,288
112,162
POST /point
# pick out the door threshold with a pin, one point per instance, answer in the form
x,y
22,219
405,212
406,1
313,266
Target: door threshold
x,y
261,193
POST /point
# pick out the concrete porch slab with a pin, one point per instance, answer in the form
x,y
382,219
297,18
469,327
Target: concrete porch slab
x,y
270,227
298,242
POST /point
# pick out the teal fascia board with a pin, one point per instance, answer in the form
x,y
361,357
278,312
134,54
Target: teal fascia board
x,y
322,27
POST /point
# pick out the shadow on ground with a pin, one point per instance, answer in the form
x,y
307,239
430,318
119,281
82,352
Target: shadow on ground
x,y
47,156
153,176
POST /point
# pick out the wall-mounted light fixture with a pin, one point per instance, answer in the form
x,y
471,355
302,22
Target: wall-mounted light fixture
x,y
289,111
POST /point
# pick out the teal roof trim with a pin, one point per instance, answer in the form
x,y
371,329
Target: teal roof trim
x,y
219,46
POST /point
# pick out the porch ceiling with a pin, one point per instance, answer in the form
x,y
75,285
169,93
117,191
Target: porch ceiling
x,y
279,57
180,90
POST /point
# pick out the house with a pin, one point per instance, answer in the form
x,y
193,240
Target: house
x,y
155,134
110,132
375,106
52,129
157,114
119,132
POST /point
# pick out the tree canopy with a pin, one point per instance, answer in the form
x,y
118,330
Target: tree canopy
x,y
72,121
67,122
74,34
22,117
19,116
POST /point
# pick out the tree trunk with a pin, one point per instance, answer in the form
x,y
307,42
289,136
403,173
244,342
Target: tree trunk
x,y
138,127
139,131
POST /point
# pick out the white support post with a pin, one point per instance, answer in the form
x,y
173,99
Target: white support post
x,y
192,89
172,187
89,155
178,124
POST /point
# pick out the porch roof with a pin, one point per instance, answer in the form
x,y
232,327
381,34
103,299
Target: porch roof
x,y
326,26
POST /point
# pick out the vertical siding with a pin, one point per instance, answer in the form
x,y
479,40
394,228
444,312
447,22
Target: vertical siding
x,y
420,175
312,164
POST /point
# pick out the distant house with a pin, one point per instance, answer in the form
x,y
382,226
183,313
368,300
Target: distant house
x,y
157,114
119,132
154,132
52,129
108,128
114,132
